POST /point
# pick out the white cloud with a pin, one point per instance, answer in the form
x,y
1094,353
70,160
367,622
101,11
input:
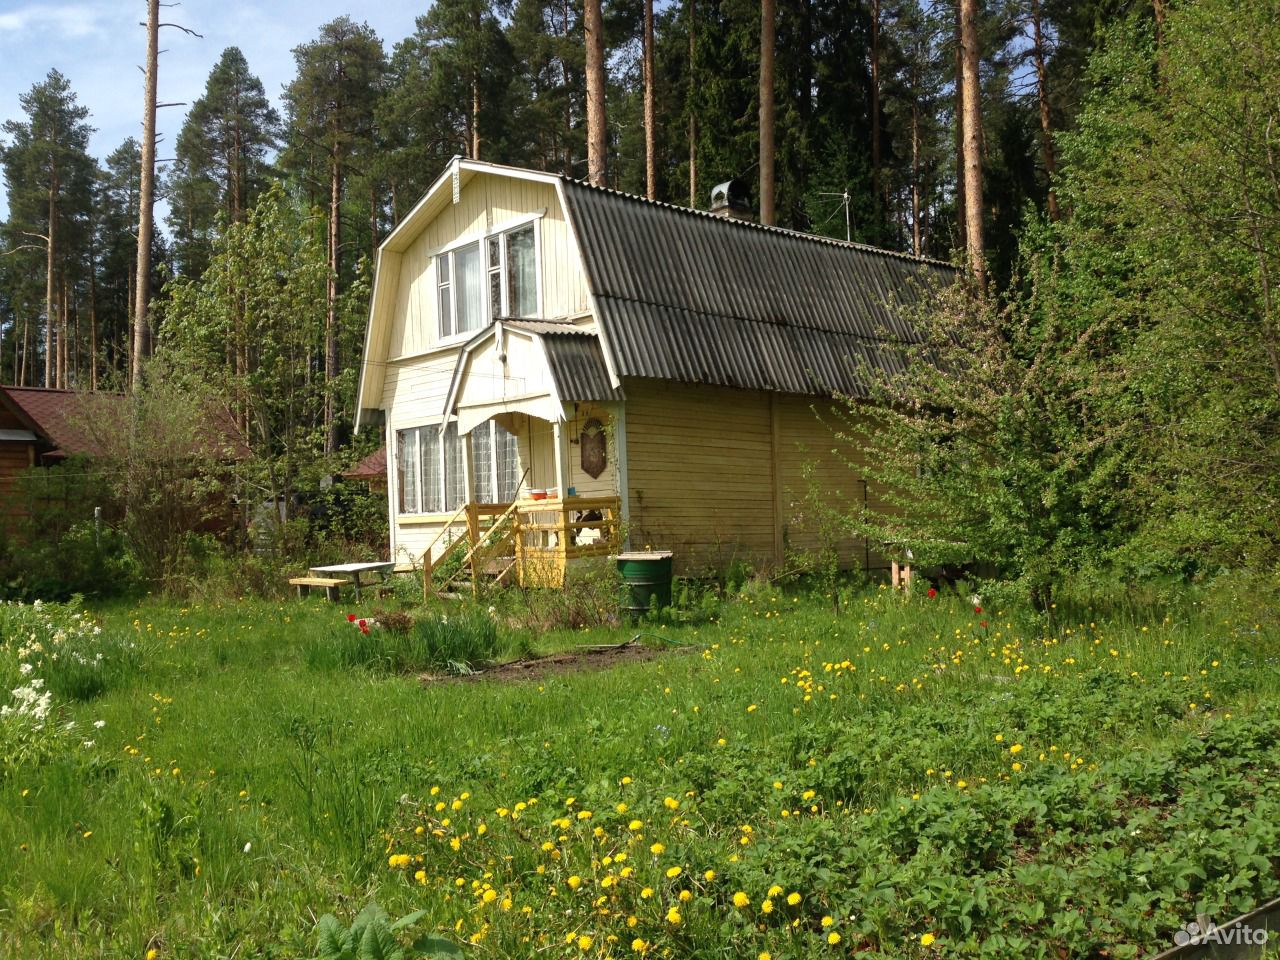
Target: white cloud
x,y
71,20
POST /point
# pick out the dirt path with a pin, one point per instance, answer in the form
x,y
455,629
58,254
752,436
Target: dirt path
x,y
565,661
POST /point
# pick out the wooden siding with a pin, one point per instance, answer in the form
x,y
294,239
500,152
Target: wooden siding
x,y
700,473
718,475
807,430
486,201
15,458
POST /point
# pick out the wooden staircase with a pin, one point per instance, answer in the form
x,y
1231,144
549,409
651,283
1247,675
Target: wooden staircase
x,y
531,541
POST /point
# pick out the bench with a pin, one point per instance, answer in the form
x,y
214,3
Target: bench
x,y
330,584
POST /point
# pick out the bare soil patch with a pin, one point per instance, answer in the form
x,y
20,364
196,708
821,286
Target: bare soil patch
x,y
562,662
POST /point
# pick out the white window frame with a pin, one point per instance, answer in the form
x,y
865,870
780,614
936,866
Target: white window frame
x,y
490,427
419,484
506,226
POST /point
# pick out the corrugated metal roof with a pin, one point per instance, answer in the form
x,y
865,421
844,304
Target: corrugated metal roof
x,y
687,295
577,365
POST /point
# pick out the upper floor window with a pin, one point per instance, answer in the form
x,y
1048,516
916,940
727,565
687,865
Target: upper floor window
x,y
479,282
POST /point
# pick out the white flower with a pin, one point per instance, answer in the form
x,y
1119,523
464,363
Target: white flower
x,y
99,724
248,847
88,744
25,668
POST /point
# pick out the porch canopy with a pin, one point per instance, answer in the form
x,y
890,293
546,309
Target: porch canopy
x,y
536,367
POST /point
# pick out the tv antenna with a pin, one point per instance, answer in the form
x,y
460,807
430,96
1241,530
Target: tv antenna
x,y
844,201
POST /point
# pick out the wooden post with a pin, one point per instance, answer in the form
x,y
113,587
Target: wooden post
x,y
557,439
473,535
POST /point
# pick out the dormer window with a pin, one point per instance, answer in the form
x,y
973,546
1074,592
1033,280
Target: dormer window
x,y
481,281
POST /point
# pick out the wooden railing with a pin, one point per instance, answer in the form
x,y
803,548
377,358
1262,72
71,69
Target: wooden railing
x,y
432,563
554,532
535,538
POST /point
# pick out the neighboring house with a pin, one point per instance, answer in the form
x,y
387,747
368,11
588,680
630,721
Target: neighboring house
x,y
38,428
42,428
659,372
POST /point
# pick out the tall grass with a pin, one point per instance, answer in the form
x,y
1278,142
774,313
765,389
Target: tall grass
x,y
458,642
253,762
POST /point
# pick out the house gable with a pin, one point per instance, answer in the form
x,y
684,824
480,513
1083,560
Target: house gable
x,y
470,201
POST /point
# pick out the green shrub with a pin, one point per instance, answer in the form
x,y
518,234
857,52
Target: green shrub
x,y
86,560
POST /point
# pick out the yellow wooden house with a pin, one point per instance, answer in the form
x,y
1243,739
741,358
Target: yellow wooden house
x,y
559,368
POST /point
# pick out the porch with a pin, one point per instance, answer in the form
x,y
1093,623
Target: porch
x,y
529,541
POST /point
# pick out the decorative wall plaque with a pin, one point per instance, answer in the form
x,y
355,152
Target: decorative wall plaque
x,y
592,443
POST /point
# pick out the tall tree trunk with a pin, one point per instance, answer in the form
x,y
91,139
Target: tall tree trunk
x,y
146,199
768,32
875,109
331,300
49,281
972,141
597,135
693,114
64,327
566,82
24,370
650,121
916,239
1042,94
93,317
959,128
475,115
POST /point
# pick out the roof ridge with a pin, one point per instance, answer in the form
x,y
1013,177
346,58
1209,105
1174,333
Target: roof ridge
x,y
751,224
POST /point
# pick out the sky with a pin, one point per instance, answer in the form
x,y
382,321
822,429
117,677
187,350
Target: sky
x,y
99,44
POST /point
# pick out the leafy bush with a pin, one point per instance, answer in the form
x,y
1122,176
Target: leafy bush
x,y
59,550
589,598
372,936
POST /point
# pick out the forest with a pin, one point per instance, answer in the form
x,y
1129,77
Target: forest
x,y
1110,180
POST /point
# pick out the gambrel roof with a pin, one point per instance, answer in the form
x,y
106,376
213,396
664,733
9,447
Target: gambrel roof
x,y
687,295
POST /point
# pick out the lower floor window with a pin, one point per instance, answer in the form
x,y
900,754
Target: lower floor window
x,y
431,475
429,469
495,458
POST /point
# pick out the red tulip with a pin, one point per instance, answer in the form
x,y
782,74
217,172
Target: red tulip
x,y
351,618
977,609
932,593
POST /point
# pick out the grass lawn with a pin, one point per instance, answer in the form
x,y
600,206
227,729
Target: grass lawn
x,y
904,779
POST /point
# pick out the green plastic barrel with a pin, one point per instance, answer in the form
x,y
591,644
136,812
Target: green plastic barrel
x,y
646,580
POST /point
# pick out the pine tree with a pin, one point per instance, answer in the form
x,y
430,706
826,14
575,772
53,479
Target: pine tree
x,y
548,102
118,196
220,165
48,177
331,106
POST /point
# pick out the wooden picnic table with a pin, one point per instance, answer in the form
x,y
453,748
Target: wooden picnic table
x,y
354,570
